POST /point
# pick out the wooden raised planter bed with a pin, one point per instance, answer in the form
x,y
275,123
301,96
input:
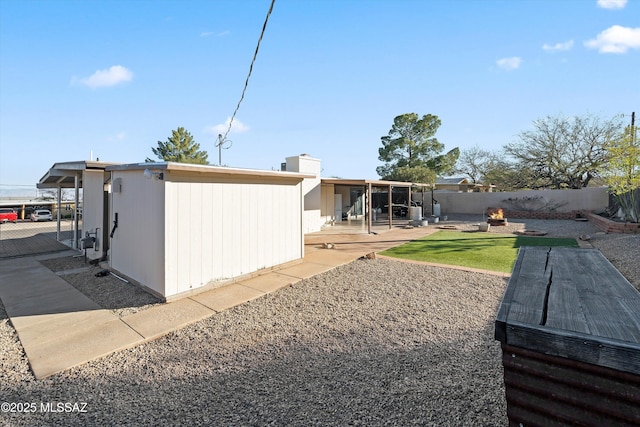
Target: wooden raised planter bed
x,y
569,324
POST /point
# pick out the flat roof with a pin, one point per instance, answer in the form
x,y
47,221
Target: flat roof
x,y
63,174
209,170
375,182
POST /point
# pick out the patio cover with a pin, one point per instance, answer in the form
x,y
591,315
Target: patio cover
x,y
369,184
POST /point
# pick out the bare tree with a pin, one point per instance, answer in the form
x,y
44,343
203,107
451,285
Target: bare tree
x,y
563,152
476,162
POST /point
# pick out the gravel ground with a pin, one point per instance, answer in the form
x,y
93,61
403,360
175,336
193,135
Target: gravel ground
x,y
374,342
108,292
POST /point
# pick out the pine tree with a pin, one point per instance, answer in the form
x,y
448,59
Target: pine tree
x,y
411,151
181,148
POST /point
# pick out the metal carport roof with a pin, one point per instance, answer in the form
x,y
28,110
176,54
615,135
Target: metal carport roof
x,y
63,175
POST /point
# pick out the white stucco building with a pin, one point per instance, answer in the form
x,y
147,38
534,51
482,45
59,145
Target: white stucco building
x,y
178,229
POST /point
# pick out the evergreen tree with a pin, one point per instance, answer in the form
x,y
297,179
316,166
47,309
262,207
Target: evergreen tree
x,y
411,151
181,148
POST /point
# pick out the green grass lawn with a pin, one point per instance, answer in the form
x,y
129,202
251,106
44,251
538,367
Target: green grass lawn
x,y
488,251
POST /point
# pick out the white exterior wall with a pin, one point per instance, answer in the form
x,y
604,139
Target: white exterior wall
x,y
92,208
216,231
137,246
311,189
327,208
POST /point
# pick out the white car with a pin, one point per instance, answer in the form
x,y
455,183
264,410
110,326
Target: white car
x,y
41,215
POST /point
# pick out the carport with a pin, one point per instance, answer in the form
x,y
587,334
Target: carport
x,y
91,177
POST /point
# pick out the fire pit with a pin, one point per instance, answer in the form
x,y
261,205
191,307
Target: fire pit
x,y
496,217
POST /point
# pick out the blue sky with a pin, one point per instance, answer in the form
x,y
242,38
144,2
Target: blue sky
x,y
115,77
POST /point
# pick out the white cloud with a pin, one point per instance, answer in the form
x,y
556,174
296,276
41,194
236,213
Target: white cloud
x,y
615,39
238,127
612,4
115,75
558,46
211,33
117,137
509,64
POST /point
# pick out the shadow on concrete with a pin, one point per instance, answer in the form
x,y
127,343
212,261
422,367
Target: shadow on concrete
x,y
41,243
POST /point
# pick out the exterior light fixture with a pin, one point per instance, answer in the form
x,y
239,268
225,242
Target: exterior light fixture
x,y
148,173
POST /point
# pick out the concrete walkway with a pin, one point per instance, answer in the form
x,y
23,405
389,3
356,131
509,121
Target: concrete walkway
x,y
59,327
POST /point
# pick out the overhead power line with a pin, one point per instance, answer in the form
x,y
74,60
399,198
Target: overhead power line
x,y
246,83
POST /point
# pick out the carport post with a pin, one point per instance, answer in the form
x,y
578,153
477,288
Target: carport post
x,y
74,240
58,216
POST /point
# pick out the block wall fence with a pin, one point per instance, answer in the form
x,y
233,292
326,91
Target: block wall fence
x,y
566,202
570,204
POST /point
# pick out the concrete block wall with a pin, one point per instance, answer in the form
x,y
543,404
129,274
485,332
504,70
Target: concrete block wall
x,y
594,199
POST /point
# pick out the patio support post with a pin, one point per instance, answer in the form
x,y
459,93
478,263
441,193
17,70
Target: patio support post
x,y
390,207
432,203
301,220
369,215
365,205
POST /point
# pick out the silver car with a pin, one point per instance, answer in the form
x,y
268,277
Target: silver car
x,y
41,215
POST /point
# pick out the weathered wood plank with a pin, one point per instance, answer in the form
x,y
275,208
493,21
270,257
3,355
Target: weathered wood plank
x,y
571,303
505,304
562,310
599,294
529,286
586,348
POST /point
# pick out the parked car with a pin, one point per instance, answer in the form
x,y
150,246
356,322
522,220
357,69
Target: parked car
x,y
41,215
8,214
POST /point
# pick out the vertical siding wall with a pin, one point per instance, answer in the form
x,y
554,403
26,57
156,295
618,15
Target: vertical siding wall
x,y
137,246
218,231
